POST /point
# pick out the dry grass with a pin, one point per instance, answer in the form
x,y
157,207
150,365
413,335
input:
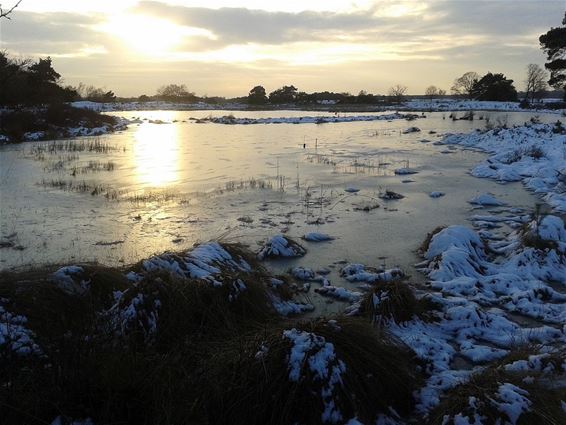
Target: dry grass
x,y
545,397
395,300
200,366
423,248
246,389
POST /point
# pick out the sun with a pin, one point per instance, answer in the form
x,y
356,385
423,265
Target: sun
x,y
147,35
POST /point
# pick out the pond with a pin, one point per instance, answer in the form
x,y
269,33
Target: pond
x,y
169,182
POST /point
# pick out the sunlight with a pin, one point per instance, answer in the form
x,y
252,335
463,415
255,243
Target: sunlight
x,y
150,36
156,154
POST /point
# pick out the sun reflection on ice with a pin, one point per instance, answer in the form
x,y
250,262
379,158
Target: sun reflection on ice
x,y
156,153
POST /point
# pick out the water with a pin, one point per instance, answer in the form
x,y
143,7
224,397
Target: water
x,y
161,187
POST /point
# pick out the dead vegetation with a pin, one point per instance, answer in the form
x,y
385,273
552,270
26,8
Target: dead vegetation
x,y
395,300
251,376
423,248
170,349
479,397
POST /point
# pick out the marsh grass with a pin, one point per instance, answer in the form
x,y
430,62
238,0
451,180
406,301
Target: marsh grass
x,y
109,193
544,391
200,367
396,300
250,388
57,147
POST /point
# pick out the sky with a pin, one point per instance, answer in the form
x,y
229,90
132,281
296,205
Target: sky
x,y
225,47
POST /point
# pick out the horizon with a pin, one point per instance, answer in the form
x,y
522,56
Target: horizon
x,y
224,47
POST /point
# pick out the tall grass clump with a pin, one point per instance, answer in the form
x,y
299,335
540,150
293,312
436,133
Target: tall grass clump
x,y
250,382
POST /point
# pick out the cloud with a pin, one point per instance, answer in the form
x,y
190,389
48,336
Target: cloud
x,y
385,20
55,33
416,43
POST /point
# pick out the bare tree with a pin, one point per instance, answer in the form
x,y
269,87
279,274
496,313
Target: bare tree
x,y
431,92
5,13
535,83
463,85
397,92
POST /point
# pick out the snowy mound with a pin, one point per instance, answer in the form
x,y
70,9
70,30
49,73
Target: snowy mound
x,y
207,261
485,199
317,237
280,246
362,273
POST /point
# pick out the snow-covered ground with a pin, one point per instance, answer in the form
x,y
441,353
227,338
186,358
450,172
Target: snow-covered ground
x,y
534,154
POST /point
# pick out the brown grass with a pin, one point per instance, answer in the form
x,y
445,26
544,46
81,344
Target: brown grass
x,y
243,389
423,248
545,396
397,301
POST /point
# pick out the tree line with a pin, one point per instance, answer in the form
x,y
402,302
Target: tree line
x,y
25,82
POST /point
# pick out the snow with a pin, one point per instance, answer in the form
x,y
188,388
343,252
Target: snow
x,y
317,237
339,293
289,308
361,273
231,120
207,262
436,194
467,105
313,352
480,283
302,273
534,363
138,314
404,171
65,277
533,154
280,246
512,401
15,337
411,130
485,199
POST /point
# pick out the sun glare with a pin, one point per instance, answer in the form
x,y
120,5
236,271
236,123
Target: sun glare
x,y
156,154
150,36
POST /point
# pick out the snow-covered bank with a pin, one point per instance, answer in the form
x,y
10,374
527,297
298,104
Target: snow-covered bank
x,y
55,122
156,105
534,154
480,284
231,120
440,105
447,105
71,132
